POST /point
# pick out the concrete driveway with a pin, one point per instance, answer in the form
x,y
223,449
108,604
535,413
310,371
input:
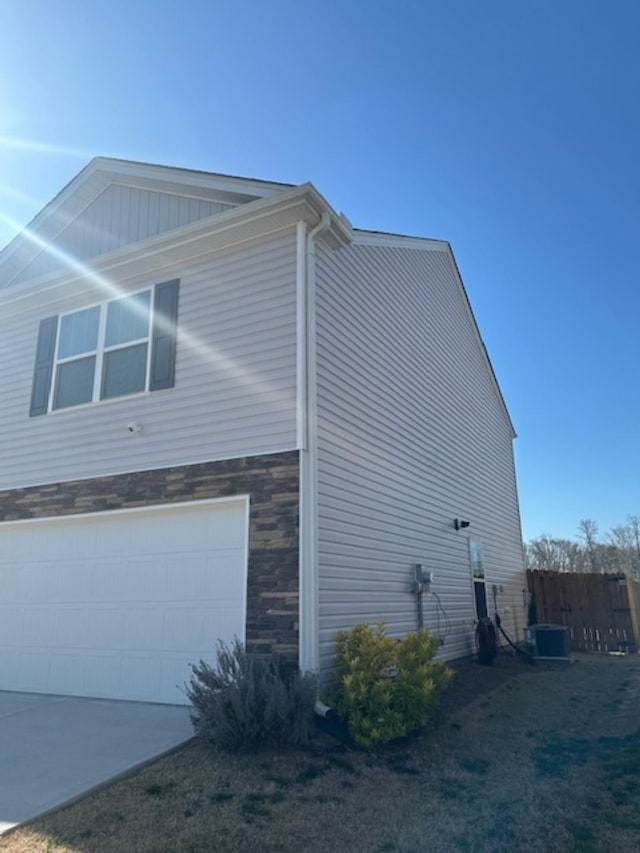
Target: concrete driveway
x,y
55,748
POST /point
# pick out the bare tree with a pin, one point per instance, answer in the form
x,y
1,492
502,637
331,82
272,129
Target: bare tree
x,y
633,524
588,532
547,553
626,538
622,541
619,552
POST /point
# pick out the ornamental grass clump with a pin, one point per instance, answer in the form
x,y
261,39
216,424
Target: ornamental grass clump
x,y
386,688
250,701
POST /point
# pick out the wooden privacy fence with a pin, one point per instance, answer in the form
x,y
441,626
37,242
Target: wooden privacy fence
x,y
602,612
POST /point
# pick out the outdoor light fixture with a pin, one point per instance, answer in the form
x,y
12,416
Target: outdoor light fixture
x,y
459,524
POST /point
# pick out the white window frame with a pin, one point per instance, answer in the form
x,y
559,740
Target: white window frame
x,y
101,349
476,549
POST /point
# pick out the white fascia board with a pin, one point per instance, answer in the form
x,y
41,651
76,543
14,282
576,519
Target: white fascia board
x,y
221,230
382,238
189,177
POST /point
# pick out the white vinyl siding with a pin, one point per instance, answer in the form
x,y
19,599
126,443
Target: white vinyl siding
x,y
235,388
411,434
118,216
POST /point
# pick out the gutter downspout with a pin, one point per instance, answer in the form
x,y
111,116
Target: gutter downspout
x,y
307,442
301,335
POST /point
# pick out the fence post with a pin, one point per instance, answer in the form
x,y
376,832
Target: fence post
x,y
633,601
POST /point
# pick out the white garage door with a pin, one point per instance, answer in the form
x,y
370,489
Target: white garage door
x,y
119,604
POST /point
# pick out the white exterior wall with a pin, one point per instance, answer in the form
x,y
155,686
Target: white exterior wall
x,y
411,434
235,388
118,216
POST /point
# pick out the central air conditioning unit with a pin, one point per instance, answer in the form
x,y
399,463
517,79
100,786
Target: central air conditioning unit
x,y
548,642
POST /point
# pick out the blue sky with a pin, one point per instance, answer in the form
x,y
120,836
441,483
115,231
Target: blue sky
x,y
510,128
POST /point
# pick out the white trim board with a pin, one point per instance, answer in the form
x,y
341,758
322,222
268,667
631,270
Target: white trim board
x,y
132,509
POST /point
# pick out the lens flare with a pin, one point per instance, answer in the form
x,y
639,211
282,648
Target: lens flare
x,y
44,147
213,355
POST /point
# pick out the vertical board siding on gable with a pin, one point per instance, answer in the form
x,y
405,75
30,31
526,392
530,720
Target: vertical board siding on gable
x,y
235,388
411,434
120,215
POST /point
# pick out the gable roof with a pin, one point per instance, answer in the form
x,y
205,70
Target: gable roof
x,y
202,193
212,194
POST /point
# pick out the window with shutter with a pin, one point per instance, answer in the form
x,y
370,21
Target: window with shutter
x,y
124,346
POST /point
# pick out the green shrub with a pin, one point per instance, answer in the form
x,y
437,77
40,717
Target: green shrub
x,y
386,688
250,701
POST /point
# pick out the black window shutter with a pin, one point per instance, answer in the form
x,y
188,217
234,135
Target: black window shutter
x,y
163,343
43,370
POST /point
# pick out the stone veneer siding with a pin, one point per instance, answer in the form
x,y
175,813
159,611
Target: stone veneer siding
x,y
272,482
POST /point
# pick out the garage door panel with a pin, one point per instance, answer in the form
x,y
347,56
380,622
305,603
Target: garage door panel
x,y
105,628
76,589
52,540
197,630
67,670
103,674
119,604
228,617
22,584
39,583
143,628
172,677
183,628
113,547
71,628
32,669
142,578
109,580
10,625
42,584
143,671
37,627
9,669
221,582
14,587
180,579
